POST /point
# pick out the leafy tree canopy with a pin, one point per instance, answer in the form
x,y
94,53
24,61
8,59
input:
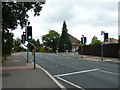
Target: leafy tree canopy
x,y
95,41
14,14
51,39
17,45
7,43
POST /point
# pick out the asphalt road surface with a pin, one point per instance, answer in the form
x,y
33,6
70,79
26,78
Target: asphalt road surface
x,y
78,73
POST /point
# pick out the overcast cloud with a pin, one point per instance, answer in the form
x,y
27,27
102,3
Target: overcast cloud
x,y
82,18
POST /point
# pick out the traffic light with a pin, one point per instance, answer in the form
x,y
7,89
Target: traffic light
x,y
81,40
29,33
23,38
106,37
85,40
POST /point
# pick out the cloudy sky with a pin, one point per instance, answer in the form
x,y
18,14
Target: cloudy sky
x,y
82,17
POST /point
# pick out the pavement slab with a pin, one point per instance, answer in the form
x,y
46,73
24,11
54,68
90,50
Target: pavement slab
x,y
17,73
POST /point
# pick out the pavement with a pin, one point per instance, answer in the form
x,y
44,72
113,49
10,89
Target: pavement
x,y
90,57
17,73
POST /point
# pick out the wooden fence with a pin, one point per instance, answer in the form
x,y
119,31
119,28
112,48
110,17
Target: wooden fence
x,y
109,50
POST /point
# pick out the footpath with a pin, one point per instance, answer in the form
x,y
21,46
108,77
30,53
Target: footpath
x,y
90,57
17,73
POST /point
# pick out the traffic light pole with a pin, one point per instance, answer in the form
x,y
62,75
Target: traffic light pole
x,y
102,51
34,53
27,52
83,41
81,51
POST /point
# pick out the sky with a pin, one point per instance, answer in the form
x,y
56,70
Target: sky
x,y
82,17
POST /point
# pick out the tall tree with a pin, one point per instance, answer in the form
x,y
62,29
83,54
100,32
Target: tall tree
x,y
64,43
14,14
51,39
95,41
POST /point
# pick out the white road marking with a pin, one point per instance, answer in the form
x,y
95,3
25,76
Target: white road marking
x,y
109,72
58,83
70,83
76,72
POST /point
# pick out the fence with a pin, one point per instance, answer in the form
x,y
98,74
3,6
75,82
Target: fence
x,y
109,50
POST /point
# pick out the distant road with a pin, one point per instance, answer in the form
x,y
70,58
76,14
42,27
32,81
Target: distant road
x,y
76,73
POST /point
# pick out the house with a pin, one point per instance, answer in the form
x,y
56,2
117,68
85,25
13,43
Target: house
x,y
75,42
111,40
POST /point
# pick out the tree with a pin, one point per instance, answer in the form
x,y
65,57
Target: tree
x,y
64,43
51,39
14,14
7,39
16,45
95,41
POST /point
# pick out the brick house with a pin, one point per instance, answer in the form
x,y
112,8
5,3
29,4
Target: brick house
x,y
111,40
75,42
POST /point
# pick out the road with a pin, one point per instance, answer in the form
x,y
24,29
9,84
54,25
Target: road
x,y
78,73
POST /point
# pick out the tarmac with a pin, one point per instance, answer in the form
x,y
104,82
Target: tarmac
x,y
90,57
18,73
